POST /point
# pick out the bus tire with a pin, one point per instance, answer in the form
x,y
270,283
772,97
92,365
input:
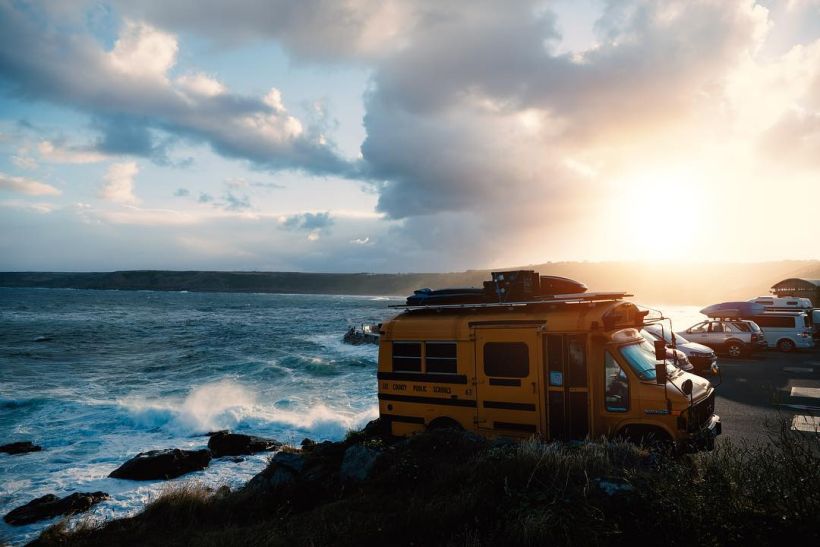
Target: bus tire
x,y
444,423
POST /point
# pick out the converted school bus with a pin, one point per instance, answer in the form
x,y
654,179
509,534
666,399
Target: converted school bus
x,y
569,368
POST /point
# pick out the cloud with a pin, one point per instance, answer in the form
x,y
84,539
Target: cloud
x,y
316,30
26,186
119,183
129,91
59,154
485,140
234,202
182,192
307,221
24,162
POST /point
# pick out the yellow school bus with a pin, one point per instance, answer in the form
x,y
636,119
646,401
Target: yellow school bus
x,y
571,367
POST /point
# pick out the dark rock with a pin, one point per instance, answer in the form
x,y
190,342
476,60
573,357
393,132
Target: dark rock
x,y
357,463
285,468
328,450
237,459
375,428
220,432
20,447
50,506
224,443
292,460
308,444
162,464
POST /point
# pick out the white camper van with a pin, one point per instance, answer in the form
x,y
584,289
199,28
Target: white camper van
x,y
786,331
783,303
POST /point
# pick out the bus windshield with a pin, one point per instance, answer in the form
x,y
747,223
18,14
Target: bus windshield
x,y
641,359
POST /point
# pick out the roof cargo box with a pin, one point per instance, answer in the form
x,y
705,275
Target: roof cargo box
x,y
552,285
516,285
429,297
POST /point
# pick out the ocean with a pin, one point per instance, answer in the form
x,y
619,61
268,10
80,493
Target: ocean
x,y
95,377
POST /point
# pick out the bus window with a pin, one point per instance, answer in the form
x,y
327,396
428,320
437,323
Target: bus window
x,y
617,385
440,357
506,359
407,356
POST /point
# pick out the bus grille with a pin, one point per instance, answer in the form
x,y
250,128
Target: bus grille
x,y
702,411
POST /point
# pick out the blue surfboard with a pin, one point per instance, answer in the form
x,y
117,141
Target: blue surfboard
x,y
733,310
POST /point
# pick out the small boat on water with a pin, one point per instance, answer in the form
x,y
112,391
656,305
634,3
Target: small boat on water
x,y
368,334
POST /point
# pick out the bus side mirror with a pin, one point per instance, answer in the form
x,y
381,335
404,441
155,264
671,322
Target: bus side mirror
x,y
660,350
686,387
660,374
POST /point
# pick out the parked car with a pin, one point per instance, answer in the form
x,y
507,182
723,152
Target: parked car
x,y
702,358
674,357
786,331
735,337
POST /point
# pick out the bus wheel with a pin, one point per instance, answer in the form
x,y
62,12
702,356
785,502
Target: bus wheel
x,y
444,423
785,345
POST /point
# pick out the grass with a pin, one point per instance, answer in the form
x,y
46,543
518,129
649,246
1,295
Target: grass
x,y
442,488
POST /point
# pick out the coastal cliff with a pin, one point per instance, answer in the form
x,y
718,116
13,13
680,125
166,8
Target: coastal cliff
x,y
661,282
447,487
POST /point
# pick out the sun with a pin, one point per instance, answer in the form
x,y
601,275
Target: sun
x,y
662,210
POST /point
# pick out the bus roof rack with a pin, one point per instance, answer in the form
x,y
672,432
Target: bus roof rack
x,y
554,299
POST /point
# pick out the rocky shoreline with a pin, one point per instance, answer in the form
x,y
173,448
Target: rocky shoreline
x,y
454,487
163,464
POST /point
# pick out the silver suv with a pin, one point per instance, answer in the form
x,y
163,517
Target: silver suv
x,y
735,337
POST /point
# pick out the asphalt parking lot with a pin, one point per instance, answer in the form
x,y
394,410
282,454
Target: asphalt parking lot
x,y
759,393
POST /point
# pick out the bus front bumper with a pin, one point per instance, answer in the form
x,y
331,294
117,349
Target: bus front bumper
x,y
704,438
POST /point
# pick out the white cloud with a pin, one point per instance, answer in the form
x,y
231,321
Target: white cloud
x,y
200,84
132,96
57,154
119,183
143,51
37,207
24,162
27,186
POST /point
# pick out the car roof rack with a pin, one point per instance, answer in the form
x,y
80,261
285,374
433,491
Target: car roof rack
x,y
554,299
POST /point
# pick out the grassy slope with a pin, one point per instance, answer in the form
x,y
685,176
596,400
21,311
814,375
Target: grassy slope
x,y
450,489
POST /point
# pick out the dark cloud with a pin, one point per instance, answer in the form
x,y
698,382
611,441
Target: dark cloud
x,y
316,30
479,113
182,192
205,198
308,221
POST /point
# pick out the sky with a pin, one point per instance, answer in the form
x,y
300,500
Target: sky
x,y
397,136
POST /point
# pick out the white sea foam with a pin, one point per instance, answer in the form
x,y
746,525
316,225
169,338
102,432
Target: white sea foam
x,y
219,405
229,405
320,420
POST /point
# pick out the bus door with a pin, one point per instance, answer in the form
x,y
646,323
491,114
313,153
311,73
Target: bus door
x,y
507,381
567,397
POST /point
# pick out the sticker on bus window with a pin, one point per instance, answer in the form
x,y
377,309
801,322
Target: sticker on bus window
x,y
556,378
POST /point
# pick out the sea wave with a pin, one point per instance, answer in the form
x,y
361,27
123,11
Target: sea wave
x,y
229,405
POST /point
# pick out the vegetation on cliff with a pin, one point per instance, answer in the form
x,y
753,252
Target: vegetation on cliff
x,y
451,488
